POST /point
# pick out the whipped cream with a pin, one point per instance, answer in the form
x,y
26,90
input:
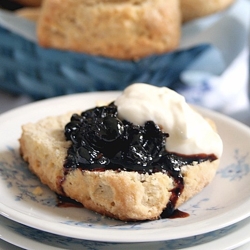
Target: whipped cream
x,y
189,133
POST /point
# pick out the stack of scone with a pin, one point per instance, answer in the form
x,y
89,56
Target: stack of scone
x,y
121,29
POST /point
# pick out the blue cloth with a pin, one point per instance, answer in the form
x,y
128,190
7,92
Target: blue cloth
x,y
210,68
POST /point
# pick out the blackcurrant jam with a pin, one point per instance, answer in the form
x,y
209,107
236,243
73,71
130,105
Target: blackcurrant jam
x,y
101,141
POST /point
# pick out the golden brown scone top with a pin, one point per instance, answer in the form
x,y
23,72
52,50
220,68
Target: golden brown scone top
x,y
120,29
117,29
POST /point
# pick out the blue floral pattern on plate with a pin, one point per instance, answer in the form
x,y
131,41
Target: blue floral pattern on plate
x,y
238,169
17,176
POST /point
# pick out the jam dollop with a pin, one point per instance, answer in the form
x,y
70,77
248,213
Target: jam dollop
x,y
101,141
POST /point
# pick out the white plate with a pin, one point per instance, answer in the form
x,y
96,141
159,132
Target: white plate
x,y
28,238
224,202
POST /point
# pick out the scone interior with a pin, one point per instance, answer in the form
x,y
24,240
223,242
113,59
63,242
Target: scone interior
x,y
124,188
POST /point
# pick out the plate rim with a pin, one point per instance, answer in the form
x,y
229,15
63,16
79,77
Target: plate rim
x,y
226,241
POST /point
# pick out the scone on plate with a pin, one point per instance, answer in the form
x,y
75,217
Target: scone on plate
x,y
137,158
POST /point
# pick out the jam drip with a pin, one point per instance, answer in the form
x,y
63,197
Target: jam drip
x,y
101,141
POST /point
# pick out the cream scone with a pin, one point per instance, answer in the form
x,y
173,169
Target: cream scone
x,y
138,158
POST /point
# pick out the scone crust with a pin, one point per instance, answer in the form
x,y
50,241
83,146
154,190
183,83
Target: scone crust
x,y
44,147
123,195
118,29
192,9
30,13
